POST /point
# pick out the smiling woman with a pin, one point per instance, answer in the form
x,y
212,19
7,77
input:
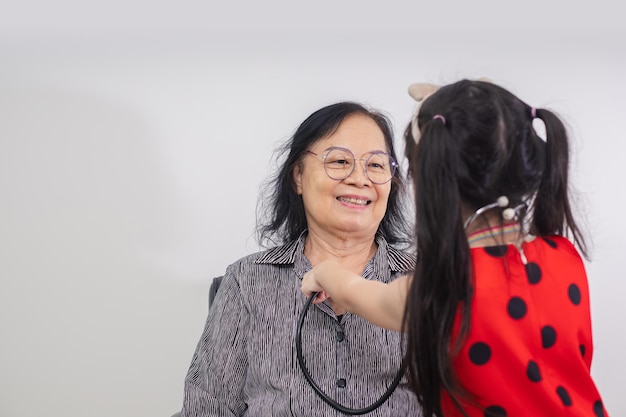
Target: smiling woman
x,y
245,362
345,201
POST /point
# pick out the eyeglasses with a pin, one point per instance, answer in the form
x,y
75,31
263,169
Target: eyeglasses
x,y
339,164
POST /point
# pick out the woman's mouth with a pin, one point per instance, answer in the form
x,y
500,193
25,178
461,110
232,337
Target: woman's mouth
x,y
355,201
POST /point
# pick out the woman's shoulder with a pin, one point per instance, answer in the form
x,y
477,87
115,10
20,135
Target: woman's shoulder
x,y
277,255
251,273
401,260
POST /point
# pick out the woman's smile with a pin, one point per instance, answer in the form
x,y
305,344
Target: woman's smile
x,y
352,201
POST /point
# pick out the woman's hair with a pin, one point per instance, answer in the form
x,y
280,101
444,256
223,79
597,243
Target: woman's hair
x,y
280,211
481,145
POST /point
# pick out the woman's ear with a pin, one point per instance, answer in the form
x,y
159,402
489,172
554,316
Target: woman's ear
x,y
297,178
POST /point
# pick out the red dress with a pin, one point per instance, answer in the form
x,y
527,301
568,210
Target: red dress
x,y
529,348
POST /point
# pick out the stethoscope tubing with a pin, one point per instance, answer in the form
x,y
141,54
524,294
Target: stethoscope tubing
x,y
318,390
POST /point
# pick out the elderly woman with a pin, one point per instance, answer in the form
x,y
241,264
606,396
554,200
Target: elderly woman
x,y
337,196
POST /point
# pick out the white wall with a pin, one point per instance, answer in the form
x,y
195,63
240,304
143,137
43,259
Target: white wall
x,y
134,137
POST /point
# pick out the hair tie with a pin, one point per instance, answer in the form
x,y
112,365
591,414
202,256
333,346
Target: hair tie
x,y
440,117
533,112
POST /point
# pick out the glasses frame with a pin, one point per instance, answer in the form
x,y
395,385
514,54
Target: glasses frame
x,y
393,165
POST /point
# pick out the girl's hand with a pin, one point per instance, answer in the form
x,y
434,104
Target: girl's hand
x,y
310,286
312,281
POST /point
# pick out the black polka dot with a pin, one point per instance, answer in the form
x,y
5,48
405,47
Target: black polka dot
x,y
516,308
480,353
598,409
550,242
496,251
564,395
495,411
582,350
533,372
574,294
548,336
533,273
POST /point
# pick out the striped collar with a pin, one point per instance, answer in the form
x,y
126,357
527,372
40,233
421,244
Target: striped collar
x,y
288,254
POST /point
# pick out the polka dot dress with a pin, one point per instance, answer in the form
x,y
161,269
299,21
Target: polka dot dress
x,y
529,348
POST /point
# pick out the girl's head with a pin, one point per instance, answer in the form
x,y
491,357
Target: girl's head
x,y
470,143
487,132
473,141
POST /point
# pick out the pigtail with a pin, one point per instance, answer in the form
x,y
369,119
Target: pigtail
x,y
441,279
552,208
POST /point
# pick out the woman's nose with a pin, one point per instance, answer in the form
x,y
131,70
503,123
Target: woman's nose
x,y
359,173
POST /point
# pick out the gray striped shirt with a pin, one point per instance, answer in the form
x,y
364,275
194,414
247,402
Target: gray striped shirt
x,y
245,362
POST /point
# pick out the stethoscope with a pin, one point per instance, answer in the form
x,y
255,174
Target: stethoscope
x,y
318,390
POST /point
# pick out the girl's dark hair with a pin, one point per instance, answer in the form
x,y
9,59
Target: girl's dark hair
x,y
280,211
485,148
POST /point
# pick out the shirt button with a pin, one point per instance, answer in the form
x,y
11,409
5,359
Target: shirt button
x,y
340,336
341,383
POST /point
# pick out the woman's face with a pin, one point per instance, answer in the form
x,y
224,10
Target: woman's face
x,y
351,207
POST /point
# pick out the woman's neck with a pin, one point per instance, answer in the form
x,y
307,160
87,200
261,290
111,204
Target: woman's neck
x,y
352,252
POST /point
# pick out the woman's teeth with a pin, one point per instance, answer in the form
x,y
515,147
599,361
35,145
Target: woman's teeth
x,y
353,201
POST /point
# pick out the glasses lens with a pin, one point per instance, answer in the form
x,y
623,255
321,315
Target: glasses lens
x,y
339,163
380,168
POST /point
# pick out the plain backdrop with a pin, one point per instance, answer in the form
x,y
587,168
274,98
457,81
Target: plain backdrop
x,y
134,137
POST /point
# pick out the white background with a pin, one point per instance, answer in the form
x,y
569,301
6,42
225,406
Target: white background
x,y
134,137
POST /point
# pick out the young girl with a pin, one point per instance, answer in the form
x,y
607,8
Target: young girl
x,y
496,314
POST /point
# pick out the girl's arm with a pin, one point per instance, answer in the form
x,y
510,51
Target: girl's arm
x,y
379,303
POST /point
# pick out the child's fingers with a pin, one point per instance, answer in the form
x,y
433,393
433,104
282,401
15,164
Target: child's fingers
x,y
321,297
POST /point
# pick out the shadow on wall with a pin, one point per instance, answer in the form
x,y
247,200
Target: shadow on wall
x,y
87,321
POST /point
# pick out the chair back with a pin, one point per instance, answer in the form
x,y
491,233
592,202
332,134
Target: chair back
x,y
215,284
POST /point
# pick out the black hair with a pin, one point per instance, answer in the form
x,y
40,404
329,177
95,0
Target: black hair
x,y
484,146
280,211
